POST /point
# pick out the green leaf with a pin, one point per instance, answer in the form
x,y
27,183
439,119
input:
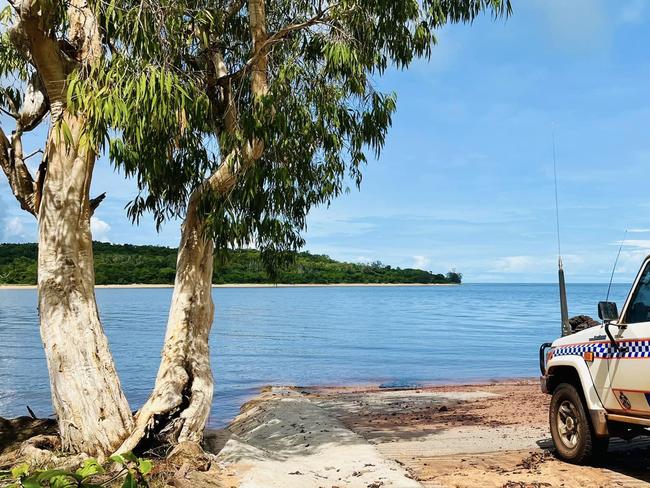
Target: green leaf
x,y
145,466
72,84
31,482
5,14
90,468
20,470
117,458
67,134
168,84
52,473
129,456
63,481
130,482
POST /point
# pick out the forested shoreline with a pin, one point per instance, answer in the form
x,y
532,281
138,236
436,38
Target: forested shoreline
x,y
122,264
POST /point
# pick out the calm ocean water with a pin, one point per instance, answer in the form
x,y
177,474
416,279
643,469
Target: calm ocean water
x,y
309,336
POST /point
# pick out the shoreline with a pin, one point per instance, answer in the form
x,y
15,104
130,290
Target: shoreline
x,y
257,285
490,434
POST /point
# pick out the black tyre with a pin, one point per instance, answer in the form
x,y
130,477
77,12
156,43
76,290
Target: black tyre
x,y
571,429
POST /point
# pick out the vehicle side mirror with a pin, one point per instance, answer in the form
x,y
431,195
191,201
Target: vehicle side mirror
x,y
607,311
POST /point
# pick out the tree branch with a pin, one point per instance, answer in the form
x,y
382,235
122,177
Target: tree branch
x,y
34,106
259,76
7,112
94,202
18,175
50,62
234,8
33,153
40,182
321,18
225,176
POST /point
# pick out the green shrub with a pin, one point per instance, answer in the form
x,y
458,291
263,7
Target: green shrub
x,y
91,475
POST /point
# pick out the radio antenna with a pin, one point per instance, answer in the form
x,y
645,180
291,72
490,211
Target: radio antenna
x,y
611,278
557,205
564,308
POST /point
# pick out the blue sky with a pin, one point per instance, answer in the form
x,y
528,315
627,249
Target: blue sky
x,y
466,178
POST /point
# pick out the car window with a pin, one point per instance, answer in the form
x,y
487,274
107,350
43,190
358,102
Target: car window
x,y
639,309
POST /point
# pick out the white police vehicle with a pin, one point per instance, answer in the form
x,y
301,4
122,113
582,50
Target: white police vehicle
x,y
599,377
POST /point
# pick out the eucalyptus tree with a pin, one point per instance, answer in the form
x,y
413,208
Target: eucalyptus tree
x,y
240,116
42,44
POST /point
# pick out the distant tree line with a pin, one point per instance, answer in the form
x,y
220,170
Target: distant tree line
x,y
128,264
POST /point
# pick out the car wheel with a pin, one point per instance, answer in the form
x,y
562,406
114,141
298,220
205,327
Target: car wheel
x,y
571,429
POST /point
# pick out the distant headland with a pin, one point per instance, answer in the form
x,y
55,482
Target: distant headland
x,y
126,264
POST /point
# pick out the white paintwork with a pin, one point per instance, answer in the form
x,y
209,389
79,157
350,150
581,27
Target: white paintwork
x,y
591,394
603,380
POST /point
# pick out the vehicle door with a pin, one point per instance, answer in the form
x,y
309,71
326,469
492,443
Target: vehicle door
x,y
629,366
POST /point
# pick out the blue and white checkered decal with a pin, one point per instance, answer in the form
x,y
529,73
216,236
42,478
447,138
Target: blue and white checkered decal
x,y
605,350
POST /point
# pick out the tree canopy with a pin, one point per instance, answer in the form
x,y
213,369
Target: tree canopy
x,y
179,99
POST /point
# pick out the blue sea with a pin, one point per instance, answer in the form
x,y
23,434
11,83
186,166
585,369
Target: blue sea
x,y
310,336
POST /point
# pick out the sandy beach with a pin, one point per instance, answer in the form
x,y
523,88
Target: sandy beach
x,y
461,436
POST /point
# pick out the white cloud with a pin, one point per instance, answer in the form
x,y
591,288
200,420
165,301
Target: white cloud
x,y
515,264
421,262
17,229
638,231
99,229
640,244
633,253
14,227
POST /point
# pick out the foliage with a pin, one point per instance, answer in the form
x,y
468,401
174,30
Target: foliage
x,y
132,469
126,264
176,100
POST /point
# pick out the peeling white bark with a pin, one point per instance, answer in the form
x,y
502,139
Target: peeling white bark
x,y
180,403
93,414
179,406
34,105
12,160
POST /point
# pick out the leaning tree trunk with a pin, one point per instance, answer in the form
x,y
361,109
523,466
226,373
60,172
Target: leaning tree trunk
x,y
178,408
93,414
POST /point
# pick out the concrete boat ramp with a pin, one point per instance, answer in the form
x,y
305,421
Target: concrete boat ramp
x,y
493,435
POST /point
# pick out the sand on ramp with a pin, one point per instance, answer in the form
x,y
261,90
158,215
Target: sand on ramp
x,y
491,435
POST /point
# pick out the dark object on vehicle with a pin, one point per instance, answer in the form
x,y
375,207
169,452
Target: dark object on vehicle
x,y
607,311
542,356
582,322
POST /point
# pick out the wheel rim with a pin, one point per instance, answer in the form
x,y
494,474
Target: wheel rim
x,y
567,424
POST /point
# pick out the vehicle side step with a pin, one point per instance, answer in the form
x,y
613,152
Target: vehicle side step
x,y
628,420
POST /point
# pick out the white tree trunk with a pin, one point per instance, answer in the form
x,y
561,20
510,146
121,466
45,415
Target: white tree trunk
x,y
93,414
178,408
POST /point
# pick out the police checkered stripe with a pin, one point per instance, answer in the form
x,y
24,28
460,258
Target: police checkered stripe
x,y
635,349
